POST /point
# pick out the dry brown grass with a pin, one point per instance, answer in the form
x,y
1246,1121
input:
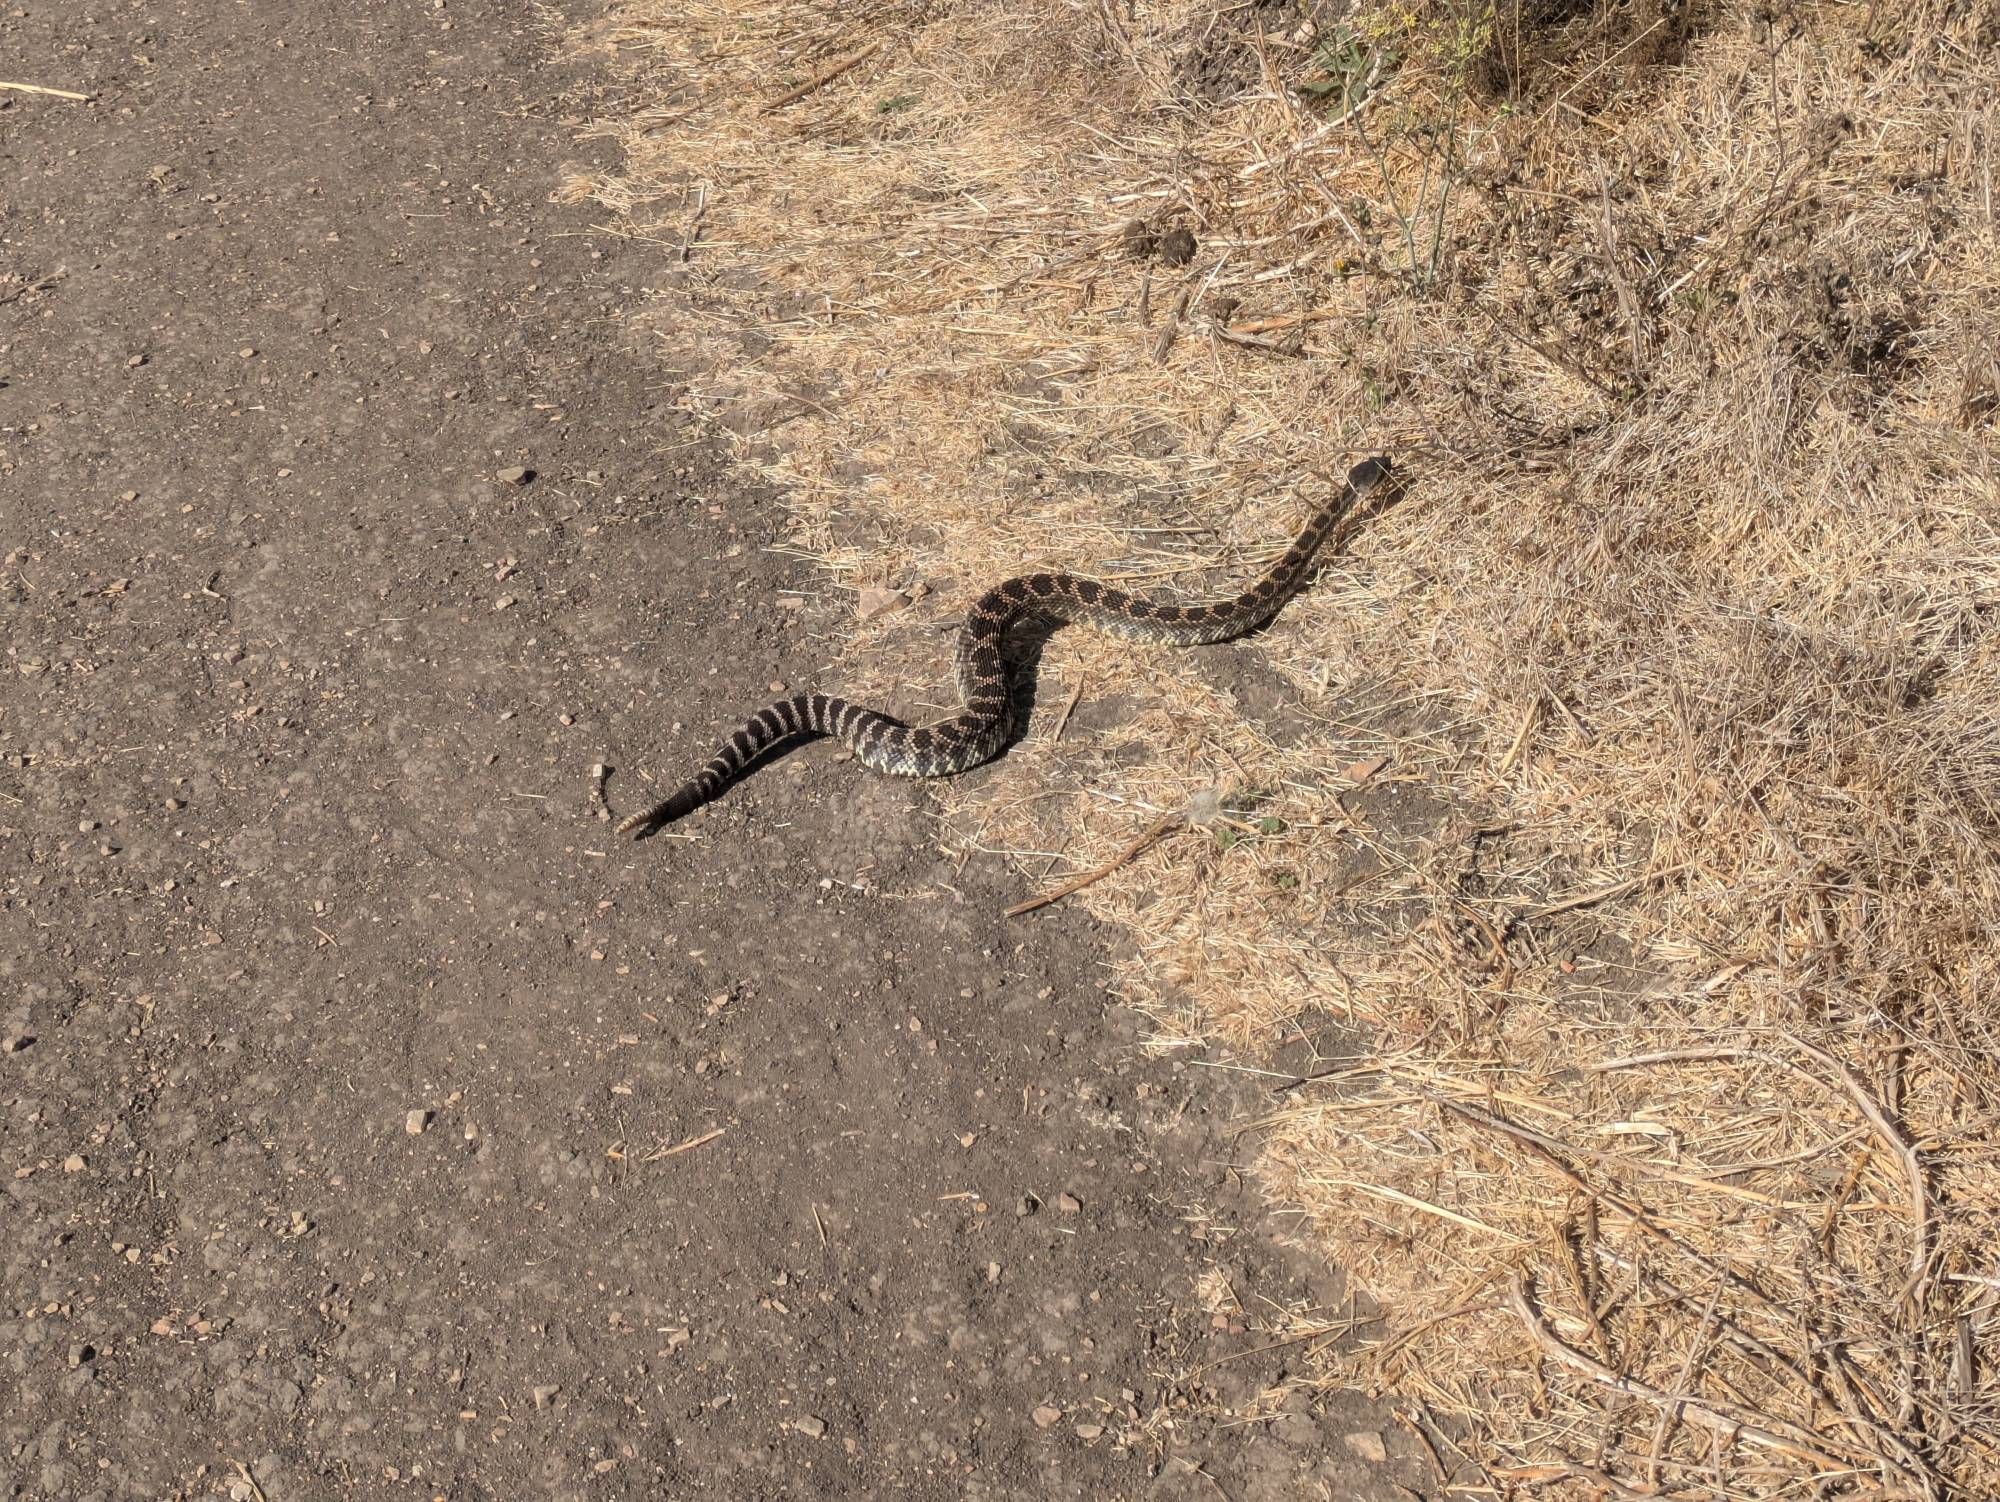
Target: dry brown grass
x,y
1671,1163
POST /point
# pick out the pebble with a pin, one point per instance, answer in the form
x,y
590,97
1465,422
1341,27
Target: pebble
x,y
415,1122
74,1163
1068,1203
874,602
811,1427
515,474
544,1396
1089,1431
15,1042
1047,1417
1366,1444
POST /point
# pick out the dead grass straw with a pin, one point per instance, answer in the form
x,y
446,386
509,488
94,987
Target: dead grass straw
x,y
1673,927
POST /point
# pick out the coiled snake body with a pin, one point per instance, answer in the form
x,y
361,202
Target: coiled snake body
x,y
978,732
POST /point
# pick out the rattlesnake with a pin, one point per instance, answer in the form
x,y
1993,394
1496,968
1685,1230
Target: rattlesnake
x,y
978,732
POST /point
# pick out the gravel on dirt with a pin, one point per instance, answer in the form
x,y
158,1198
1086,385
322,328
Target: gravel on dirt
x,y
297,831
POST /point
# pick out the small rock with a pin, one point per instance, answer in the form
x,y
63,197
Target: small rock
x,y
1047,1417
248,351
15,1042
993,1272
1025,1206
544,1396
74,1163
1089,1431
1361,771
1068,1203
874,602
84,826
1366,1444
415,1122
810,1426
514,474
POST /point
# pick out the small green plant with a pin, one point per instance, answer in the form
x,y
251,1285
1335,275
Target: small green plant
x,y
1443,44
1351,63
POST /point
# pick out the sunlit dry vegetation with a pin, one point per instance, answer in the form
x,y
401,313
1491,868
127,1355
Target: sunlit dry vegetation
x,y
1637,805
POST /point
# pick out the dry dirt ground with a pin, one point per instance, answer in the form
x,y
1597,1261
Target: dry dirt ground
x,y
374,1124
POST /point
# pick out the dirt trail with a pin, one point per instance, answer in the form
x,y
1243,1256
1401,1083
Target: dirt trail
x,y
375,1125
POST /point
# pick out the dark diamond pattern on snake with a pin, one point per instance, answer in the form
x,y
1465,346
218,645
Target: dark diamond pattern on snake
x,y
979,731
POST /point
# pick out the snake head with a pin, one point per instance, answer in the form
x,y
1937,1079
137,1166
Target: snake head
x,y
1366,475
